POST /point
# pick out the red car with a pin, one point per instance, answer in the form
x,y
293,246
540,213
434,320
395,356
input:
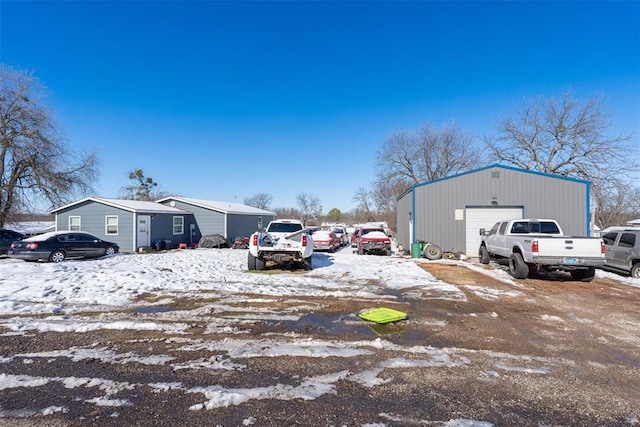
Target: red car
x,y
354,238
324,240
373,240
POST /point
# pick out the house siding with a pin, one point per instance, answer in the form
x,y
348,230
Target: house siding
x,y
93,220
434,203
162,229
206,221
244,225
210,221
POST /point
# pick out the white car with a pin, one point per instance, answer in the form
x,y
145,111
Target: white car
x,y
342,233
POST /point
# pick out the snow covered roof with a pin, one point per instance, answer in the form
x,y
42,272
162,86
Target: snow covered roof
x,y
634,223
225,207
138,206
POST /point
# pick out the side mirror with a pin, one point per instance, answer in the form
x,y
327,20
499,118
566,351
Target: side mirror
x,y
482,231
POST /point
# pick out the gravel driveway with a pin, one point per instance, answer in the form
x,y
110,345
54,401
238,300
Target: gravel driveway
x,y
542,351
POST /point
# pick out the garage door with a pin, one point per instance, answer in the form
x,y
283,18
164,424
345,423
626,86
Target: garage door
x,y
485,217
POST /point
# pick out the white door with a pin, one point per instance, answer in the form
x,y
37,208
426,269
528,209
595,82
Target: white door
x,y
143,231
486,217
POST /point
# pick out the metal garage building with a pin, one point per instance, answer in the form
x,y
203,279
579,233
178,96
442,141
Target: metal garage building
x,y
451,211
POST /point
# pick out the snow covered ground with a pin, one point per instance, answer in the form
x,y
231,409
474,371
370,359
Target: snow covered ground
x,y
41,297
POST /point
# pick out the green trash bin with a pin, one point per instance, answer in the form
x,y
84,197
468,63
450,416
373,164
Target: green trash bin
x,y
416,250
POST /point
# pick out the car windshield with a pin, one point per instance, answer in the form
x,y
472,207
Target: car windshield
x,y
284,227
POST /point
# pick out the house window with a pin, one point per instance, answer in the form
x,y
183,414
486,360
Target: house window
x,y
259,223
111,225
178,225
74,223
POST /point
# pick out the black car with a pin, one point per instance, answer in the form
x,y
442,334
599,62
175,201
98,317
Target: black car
x,y
59,245
7,237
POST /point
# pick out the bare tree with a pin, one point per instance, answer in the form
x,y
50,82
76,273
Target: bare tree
x,y
36,162
310,207
259,200
426,155
568,137
287,213
621,204
408,158
364,201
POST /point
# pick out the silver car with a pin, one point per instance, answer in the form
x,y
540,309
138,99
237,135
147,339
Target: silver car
x,y
623,251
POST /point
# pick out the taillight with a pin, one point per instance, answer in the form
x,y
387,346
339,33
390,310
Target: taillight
x,y
30,246
534,246
255,240
603,249
304,240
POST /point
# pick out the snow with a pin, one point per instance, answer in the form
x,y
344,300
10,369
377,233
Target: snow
x,y
40,297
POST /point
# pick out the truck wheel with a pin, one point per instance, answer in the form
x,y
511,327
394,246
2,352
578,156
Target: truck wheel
x,y
485,258
585,275
432,252
517,267
251,262
307,263
635,270
260,263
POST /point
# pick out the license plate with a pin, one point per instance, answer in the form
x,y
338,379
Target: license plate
x,y
570,260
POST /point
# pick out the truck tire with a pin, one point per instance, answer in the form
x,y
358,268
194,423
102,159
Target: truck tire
x,y
635,270
517,267
259,263
251,262
307,263
432,252
585,275
485,258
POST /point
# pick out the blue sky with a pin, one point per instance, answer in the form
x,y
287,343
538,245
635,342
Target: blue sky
x,y
223,100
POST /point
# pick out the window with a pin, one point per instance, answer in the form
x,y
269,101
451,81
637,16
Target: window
x,y
627,240
549,228
609,238
178,225
494,229
259,223
503,227
74,223
111,225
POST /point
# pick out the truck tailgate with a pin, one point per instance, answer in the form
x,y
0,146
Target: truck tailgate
x,y
565,246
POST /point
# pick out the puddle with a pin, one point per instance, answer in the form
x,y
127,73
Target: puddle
x,y
394,293
153,309
342,326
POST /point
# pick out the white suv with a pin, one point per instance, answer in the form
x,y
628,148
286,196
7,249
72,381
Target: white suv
x,y
623,251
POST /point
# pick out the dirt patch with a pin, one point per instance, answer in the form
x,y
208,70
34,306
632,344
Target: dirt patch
x,y
540,351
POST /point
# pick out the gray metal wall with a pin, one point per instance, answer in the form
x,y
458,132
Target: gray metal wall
x,y
93,220
542,195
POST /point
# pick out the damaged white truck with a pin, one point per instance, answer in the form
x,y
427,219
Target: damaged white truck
x,y
285,242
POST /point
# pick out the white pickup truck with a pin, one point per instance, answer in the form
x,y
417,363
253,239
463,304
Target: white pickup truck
x,y
532,245
284,242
